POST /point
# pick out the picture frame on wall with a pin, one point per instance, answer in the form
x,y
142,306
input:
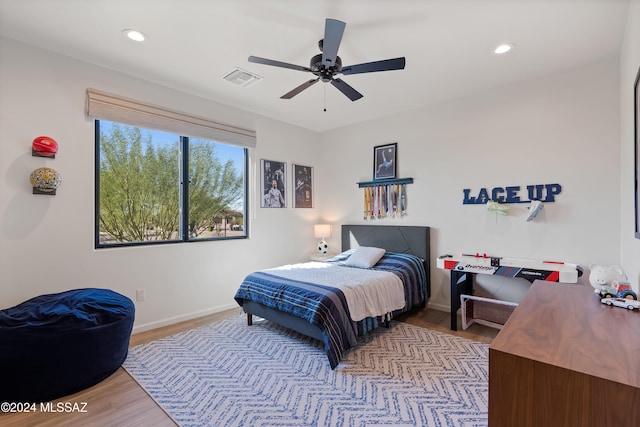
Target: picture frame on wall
x,y
302,186
636,136
385,161
273,178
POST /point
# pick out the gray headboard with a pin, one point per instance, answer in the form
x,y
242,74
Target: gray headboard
x,y
394,238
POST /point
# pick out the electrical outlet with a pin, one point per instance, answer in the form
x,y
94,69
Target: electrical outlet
x,y
140,294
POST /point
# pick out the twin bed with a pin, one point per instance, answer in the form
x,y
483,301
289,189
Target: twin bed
x,y
347,296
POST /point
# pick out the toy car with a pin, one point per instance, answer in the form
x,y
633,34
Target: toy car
x,y
631,304
618,290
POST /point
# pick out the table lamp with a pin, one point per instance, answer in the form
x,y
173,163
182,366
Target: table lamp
x,y
320,231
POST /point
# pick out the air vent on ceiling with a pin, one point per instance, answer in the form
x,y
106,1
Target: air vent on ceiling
x,y
241,77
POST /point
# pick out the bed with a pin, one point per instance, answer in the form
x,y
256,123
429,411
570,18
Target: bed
x,y
309,305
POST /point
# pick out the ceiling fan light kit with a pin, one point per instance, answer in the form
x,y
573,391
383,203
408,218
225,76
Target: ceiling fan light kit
x,y
328,64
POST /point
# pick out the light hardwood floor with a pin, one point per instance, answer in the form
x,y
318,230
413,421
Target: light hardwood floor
x,y
119,400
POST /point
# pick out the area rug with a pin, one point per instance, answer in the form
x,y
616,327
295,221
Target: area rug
x,y
230,374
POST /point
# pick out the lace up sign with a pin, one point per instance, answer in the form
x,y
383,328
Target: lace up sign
x,y
542,192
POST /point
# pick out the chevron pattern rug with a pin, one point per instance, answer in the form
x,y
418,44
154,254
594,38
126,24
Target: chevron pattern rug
x,y
230,374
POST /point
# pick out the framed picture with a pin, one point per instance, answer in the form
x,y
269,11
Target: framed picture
x,y
302,186
636,135
273,188
384,161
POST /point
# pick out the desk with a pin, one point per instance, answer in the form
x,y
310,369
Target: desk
x,y
565,359
465,266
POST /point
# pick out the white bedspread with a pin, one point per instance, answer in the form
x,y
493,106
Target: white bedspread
x,y
368,292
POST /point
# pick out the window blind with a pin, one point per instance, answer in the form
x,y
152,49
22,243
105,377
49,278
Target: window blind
x,y
106,106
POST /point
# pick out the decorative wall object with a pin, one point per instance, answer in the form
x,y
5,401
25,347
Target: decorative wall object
x,y
497,208
273,184
542,192
386,195
534,209
636,116
44,146
385,161
45,181
302,186
385,198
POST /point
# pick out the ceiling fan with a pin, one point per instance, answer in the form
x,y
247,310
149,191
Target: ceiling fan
x,y
328,64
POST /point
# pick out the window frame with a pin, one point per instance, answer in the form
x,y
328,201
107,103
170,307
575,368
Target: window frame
x,y
184,236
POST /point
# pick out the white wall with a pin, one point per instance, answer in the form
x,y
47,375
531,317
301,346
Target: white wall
x,y
562,129
46,242
629,65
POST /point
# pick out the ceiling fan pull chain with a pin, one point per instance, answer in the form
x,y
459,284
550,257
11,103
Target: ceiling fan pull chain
x,y
325,98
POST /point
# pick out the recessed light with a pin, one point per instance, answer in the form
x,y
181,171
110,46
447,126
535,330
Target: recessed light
x,y
134,35
503,48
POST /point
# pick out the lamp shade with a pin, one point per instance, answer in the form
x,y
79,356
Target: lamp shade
x,y
322,230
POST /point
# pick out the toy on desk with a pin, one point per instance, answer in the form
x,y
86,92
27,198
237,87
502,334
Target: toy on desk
x,y
617,290
551,271
602,276
610,283
630,304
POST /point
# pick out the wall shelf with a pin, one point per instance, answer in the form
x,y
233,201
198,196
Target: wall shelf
x,y
380,182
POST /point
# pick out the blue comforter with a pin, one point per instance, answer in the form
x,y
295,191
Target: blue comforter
x,y
326,306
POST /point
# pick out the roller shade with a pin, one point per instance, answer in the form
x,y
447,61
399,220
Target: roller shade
x,y
106,106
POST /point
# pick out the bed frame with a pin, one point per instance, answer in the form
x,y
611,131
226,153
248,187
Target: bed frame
x,y
401,239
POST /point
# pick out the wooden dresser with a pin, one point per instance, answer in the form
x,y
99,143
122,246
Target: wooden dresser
x,y
565,359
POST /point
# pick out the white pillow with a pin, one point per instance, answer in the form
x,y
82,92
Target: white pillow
x,y
365,257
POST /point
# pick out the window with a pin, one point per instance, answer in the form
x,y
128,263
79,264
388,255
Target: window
x,y
149,191
163,176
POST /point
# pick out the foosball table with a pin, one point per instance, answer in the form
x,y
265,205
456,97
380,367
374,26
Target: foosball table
x,y
465,266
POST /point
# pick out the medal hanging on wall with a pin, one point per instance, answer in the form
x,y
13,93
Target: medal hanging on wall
x,y
384,201
403,200
366,203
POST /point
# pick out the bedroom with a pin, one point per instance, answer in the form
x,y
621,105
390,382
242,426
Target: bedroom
x,y
574,125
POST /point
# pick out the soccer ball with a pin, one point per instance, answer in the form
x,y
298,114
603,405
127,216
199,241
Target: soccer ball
x,y
323,247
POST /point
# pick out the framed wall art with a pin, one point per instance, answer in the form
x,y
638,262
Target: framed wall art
x,y
384,161
302,186
636,136
273,178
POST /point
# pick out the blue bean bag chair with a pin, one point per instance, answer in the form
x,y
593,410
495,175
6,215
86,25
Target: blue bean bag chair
x,y
57,344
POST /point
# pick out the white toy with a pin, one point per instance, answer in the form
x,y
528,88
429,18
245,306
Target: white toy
x,y
630,304
602,277
534,209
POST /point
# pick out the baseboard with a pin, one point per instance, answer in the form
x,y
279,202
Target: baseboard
x,y
440,307
183,318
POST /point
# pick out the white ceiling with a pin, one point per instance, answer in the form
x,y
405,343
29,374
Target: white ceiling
x,y
448,45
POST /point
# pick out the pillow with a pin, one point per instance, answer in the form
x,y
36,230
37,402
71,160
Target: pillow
x,y
365,257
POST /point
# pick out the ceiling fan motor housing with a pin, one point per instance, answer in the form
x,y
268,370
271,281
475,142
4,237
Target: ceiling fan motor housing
x,y
322,70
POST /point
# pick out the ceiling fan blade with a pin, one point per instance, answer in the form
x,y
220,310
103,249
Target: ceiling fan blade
x,y
299,89
333,31
370,67
343,87
265,61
